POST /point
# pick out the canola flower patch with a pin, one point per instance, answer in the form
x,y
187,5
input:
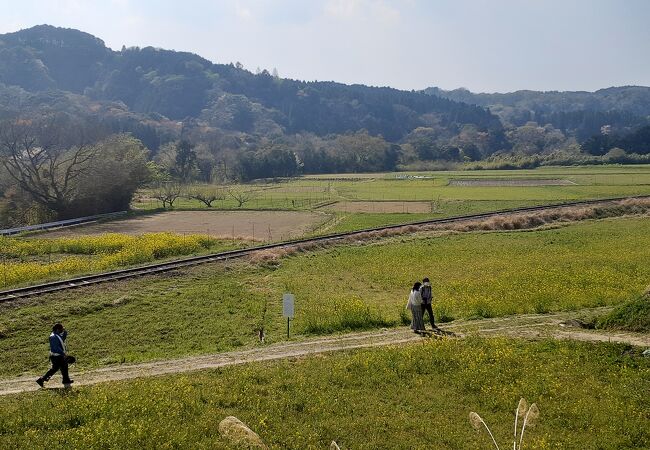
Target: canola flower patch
x,y
30,260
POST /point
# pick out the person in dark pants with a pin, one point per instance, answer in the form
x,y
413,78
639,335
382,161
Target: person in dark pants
x,y
57,356
427,295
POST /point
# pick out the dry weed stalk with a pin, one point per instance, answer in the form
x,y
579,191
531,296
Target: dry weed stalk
x,y
477,421
528,414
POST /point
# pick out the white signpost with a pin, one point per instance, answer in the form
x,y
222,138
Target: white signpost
x,y
288,301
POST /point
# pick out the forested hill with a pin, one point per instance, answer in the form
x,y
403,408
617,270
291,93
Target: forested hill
x,y
577,111
179,85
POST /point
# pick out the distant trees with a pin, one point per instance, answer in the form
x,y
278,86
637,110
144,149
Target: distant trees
x,y
210,123
241,196
179,159
636,142
185,160
167,192
119,168
67,166
47,157
271,162
206,194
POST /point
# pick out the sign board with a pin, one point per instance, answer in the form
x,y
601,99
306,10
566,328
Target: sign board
x,y
287,305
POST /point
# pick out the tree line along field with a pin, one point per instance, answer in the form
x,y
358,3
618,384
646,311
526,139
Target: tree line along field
x,y
215,308
415,396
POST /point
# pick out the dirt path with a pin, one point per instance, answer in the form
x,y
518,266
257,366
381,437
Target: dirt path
x,y
524,326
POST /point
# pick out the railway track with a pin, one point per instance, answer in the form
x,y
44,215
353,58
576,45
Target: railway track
x,y
105,277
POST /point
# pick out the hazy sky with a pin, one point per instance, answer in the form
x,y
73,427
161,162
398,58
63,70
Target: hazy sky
x,y
484,45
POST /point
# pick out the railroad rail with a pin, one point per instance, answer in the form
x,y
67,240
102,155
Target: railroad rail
x,y
87,280
61,223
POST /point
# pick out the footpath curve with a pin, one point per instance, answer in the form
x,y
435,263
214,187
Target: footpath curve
x,y
531,326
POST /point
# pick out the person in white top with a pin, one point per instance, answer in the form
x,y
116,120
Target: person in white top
x,y
415,305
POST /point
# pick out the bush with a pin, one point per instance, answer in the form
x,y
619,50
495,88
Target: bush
x,y
631,316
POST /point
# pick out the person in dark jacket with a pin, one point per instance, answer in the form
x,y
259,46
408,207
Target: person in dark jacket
x,y
58,358
427,296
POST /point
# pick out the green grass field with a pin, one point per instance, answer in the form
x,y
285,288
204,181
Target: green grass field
x,y
630,316
417,396
309,192
358,221
215,308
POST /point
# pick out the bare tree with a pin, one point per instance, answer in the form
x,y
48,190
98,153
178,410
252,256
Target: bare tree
x,y
207,195
47,156
167,193
241,196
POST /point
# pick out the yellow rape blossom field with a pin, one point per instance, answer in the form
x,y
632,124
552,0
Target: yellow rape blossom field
x,y
25,261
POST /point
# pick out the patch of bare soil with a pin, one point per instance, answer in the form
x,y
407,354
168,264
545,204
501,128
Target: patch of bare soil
x,y
508,182
381,207
261,225
530,326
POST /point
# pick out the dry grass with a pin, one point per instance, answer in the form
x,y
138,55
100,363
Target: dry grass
x,y
527,220
239,435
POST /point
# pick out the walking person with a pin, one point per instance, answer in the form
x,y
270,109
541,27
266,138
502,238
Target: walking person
x,y
415,305
427,296
58,356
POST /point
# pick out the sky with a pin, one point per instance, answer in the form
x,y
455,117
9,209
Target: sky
x,y
481,45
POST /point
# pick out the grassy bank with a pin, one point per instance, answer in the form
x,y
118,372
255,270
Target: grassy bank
x,y
418,396
215,308
630,316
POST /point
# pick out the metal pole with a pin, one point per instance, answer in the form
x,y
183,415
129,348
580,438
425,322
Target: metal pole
x,y
288,319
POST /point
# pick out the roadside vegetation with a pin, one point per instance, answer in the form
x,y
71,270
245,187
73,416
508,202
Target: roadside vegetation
x,y
215,308
415,396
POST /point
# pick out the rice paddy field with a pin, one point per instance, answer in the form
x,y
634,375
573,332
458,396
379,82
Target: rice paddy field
x,y
416,396
321,204
449,193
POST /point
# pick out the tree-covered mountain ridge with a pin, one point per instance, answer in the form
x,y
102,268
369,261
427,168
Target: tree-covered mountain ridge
x,y
245,125
179,85
518,107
